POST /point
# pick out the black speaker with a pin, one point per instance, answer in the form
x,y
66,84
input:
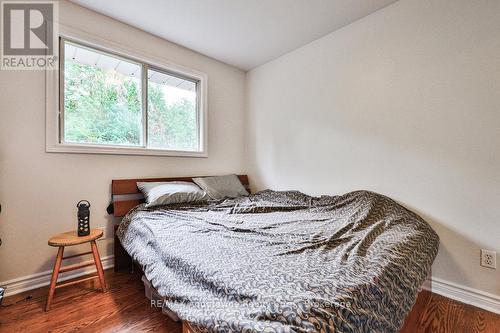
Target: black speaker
x,y
83,218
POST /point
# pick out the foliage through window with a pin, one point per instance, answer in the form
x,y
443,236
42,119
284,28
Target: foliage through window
x,y
114,101
172,116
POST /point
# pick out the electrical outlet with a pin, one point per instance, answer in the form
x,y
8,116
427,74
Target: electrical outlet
x,y
488,258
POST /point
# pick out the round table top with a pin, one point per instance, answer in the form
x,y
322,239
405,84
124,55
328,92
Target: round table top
x,y
71,238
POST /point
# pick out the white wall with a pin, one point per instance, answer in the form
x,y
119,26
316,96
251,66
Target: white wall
x,y
39,191
405,102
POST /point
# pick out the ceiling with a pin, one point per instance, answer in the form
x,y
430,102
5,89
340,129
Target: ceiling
x,y
242,33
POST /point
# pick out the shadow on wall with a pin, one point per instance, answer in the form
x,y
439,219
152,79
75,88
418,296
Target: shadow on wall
x,y
458,259
456,253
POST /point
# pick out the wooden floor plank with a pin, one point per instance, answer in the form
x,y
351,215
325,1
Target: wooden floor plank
x,y
83,307
123,308
433,313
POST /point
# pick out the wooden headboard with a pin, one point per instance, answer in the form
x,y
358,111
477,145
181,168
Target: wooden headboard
x,y
123,188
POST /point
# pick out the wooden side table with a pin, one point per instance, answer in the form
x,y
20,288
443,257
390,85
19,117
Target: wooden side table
x,y
68,239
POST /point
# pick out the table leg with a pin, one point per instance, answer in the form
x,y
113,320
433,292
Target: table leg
x,y
55,274
98,264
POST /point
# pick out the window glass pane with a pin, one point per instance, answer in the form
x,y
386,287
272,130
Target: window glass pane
x,y
102,98
172,112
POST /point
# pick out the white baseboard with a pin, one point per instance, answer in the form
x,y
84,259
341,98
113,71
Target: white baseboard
x,y
475,297
478,298
16,286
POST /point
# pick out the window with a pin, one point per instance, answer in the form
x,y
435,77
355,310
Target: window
x,y
102,98
172,116
110,103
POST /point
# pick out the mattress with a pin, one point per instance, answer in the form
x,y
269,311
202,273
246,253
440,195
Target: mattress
x,y
284,261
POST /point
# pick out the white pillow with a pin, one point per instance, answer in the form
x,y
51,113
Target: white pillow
x,y
166,193
220,187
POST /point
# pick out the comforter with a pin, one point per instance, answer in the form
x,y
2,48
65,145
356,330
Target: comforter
x,y
284,261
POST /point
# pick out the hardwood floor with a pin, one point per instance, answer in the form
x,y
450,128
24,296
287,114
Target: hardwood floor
x,y
82,307
435,313
123,308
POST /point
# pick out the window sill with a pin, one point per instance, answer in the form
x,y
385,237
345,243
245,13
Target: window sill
x,y
107,150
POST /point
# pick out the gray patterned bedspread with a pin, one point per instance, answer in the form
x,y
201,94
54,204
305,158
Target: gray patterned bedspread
x,y
285,261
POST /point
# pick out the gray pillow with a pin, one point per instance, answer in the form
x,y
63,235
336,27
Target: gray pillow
x,y
166,193
220,187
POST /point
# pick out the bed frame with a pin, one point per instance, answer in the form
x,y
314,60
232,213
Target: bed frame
x,y
125,196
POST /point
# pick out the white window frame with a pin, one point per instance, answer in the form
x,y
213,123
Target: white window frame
x,y
54,113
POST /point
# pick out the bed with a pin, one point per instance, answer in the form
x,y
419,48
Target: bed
x,y
281,261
